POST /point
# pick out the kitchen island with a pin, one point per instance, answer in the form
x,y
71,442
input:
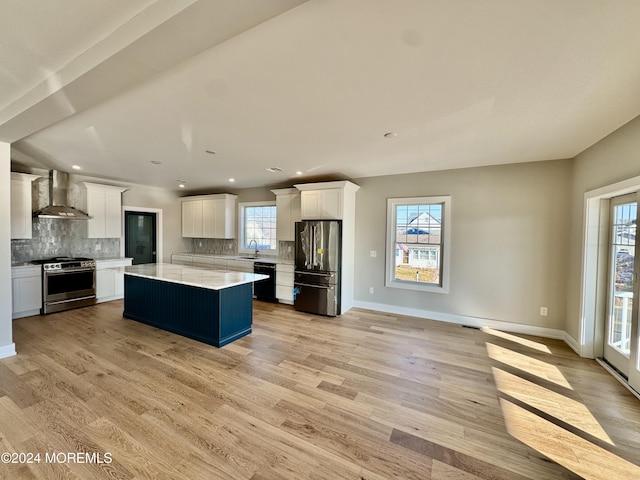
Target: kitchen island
x,y
212,306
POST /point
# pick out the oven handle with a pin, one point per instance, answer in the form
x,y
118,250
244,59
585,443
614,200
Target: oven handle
x,y
324,287
74,299
62,272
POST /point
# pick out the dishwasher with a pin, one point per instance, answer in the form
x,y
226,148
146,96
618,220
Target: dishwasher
x,y
265,289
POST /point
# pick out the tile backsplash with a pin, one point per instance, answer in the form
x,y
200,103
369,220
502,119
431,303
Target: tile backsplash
x,y
221,246
59,237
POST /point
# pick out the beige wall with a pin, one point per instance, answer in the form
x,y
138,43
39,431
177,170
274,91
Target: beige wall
x,y
509,241
167,200
611,160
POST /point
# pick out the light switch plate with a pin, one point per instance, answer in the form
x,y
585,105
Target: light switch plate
x,y
373,253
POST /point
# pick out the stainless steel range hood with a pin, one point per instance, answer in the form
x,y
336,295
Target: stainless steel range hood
x,y
58,208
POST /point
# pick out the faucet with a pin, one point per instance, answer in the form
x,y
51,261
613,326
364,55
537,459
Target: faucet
x,y
256,244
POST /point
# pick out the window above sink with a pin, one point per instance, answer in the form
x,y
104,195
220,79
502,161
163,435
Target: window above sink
x,y
257,229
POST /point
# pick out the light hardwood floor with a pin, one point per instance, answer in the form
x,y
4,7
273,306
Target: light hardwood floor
x,y
362,396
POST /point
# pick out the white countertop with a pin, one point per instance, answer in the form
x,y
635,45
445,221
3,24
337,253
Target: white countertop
x,y
189,275
263,259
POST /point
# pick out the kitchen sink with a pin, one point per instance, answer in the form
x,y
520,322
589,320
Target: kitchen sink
x,y
250,258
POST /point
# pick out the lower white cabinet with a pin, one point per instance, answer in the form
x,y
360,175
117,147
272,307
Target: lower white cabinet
x,y
240,265
109,283
284,283
26,283
179,259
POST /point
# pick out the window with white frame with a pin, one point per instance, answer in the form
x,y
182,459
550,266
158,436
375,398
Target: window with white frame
x,y
418,241
257,227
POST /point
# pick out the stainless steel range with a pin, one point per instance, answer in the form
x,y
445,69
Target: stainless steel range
x,y
67,283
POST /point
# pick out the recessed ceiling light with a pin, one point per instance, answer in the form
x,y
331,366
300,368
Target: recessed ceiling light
x,y
75,167
181,183
274,169
156,162
210,152
298,172
390,135
232,180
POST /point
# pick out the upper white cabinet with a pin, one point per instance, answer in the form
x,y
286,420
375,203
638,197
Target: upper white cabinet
x,y
326,200
21,209
209,216
287,212
104,206
192,218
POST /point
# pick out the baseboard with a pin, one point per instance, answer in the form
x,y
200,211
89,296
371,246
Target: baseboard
x,y
466,320
28,313
8,350
573,343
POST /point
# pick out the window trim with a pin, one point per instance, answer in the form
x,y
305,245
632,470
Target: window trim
x,y
241,242
445,254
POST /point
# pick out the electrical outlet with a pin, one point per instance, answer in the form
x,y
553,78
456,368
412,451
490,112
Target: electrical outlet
x,y
544,311
199,244
370,290
289,248
230,246
98,247
373,254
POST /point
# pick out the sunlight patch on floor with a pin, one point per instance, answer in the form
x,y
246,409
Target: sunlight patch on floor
x,y
567,449
563,408
522,341
536,367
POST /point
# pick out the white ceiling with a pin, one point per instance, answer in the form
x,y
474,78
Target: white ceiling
x,y
311,86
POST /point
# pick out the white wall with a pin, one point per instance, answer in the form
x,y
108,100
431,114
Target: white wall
x,y
509,242
7,346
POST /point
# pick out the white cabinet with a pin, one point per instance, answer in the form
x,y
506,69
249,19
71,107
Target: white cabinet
x,y
109,283
284,283
179,259
192,219
21,208
237,265
209,216
26,283
287,213
321,204
327,200
104,206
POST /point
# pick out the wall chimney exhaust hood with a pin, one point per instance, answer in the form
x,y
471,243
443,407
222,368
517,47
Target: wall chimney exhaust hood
x,y
58,208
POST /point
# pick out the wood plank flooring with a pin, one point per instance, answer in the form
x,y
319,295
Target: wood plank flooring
x,y
362,396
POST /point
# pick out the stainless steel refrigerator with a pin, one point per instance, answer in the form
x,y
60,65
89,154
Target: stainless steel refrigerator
x,y
318,260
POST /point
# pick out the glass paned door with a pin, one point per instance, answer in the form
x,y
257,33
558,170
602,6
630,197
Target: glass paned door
x,y
140,237
621,341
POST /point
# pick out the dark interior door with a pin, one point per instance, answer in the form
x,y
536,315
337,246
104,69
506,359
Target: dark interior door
x,y
140,237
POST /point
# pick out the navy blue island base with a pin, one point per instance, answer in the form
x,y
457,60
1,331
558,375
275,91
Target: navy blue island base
x,y
215,317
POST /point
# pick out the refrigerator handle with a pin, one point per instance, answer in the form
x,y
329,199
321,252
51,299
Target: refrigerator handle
x,y
313,245
320,274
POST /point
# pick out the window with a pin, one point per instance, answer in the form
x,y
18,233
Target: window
x,y
257,227
418,243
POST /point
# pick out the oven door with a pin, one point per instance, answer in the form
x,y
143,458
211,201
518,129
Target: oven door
x,y
69,284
